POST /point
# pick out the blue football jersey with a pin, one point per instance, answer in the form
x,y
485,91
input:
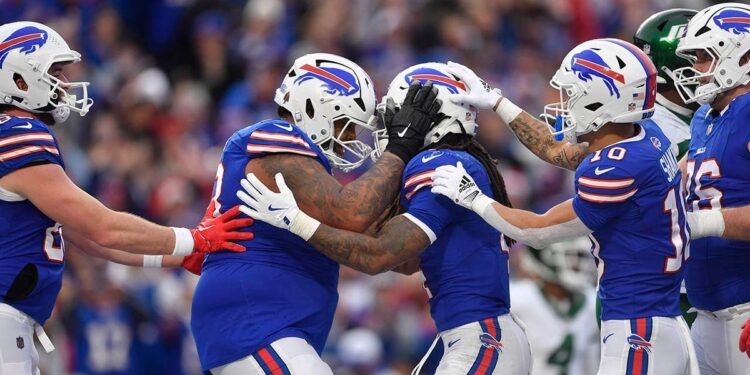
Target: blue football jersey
x,y
718,169
281,286
628,194
465,267
29,240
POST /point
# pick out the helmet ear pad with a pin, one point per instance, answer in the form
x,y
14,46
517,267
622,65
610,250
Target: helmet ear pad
x,y
322,90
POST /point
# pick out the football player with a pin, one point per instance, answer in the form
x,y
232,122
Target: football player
x,y
557,305
37,199
628,200
269,310
464,260
717,42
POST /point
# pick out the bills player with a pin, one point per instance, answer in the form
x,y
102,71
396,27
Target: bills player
x,y
269,310
717,42
556,302
463,259
628,200
37,199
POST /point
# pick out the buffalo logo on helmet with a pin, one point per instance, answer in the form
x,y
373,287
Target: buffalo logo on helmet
x,y
733,20
490,342
26,39
336,78
638,343
437,77
587,64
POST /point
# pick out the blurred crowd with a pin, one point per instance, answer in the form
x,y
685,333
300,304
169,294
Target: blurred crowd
x,y
173,79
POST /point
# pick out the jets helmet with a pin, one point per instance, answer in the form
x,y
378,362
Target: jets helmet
x,y
568,264
323,89
601,81
658,37
722,31
460,119
28,50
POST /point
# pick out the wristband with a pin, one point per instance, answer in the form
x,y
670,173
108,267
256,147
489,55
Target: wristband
x,y
183,242
304,226
152,261
507,110
480,203
706,223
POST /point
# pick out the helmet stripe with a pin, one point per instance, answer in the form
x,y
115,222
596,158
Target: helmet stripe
x,y
20,39
435,77
648,67
326,74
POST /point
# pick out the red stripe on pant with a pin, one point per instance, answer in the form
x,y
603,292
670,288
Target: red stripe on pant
x,y
270,362
638,355
484,364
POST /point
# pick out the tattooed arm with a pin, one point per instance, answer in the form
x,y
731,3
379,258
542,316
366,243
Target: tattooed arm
x,y
535,135
399,241
353,207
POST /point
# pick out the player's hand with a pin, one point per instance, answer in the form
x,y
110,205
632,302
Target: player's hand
x,y
193,263
408,127
480,95
455,183
216,234
261,203
745,338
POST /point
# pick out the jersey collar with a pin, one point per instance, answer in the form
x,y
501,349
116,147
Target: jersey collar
x,y
674,107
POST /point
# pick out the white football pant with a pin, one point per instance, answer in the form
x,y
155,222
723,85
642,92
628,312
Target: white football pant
x,y
287,356
18,356
716,336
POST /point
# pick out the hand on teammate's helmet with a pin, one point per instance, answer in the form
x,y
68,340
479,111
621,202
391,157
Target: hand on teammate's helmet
x,y
455,183
480,95
217,234
408,126
745,338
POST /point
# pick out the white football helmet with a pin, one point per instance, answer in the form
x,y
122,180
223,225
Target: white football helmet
x,y
459,119
722,31
320,89
28,49
602,81
568,264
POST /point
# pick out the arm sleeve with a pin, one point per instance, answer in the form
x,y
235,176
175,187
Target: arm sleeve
x,y
602,193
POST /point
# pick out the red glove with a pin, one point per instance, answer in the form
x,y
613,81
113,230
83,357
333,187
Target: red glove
x,y
194,263
745,338
215,234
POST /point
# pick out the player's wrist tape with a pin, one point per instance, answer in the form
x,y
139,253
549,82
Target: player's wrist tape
x,y
507,110
304,226
183,242
480,203
706,223
152,261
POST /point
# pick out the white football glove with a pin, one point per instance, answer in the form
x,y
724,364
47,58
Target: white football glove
x,y
456,184
278,209
480,96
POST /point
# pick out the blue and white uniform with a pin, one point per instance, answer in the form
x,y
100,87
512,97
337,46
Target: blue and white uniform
x,y
466,273
717,280
280,289
31,245
629,195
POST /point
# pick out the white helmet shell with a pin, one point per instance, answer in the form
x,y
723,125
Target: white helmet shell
x,y
28,49
723,32
602,81
321,89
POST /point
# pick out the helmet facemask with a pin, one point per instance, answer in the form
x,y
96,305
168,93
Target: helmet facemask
x,y
565,126
345,150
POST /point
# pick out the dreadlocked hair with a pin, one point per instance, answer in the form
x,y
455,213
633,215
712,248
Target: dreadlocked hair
x,y
465,142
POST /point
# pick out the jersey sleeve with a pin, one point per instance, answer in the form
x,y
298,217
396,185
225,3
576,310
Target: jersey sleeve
x,y
431,212
26,143
602,192
278,137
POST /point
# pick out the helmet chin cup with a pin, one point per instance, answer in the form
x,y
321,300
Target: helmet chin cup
x,y
60,114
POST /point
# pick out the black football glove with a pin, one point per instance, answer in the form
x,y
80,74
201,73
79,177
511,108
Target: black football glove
x,y
408,126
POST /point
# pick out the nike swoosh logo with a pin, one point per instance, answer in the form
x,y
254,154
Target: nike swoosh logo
x,y
27,126
453,342
288,127
598,171
403,132
604,341
270,208
425,159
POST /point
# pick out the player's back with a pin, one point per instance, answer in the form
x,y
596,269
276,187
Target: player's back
x,y
31,246
466,270
281,286
717,168
629,195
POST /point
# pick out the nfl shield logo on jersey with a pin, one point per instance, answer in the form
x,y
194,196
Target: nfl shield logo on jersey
x,y
19,342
